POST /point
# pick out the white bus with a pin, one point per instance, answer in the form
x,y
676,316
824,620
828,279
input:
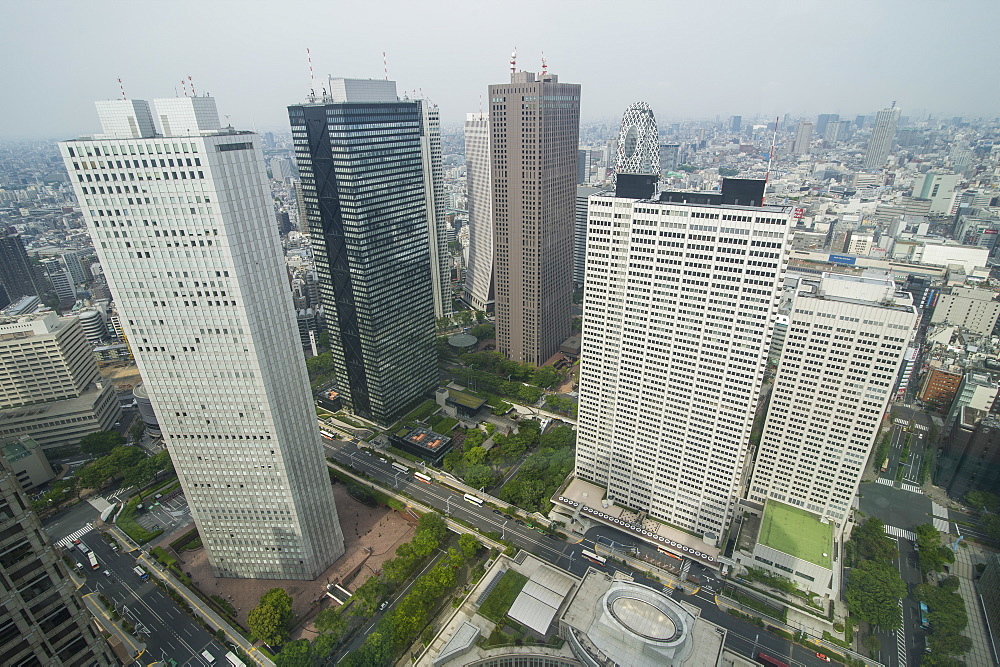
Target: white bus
x,y
234,661
327,435
422,477
400,467
469,498
594,558
93,560
666,552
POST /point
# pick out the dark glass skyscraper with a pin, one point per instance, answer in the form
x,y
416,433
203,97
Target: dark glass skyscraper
x,y
361,154
18,276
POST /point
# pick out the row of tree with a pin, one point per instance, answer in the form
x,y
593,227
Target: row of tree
x,y
481,468
947,618
484,381
332,624
874,587
499,365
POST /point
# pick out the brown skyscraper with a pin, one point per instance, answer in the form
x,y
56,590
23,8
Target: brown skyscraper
x,y
535,123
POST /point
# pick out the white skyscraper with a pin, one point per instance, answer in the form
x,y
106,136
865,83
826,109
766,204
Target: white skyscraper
x,y
479,277
882,137
847,336
679,306
437,225
803,139
184,228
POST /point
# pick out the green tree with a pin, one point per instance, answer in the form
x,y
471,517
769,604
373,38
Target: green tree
x,y
433,523
983,500
871,543
323,339
932,555
295,654
468,544
873,593
465,317
484,331
545,377
949,644
100,442
320,364
529,394
269,620
479,476
331,622
475,456
367,596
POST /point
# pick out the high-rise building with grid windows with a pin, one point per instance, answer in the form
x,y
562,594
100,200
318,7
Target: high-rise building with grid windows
x,y
184,227
535,132
680,300
845,343
370,186
42,620
479,277
883,136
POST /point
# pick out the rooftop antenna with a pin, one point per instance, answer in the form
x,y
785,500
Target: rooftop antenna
x,y
385,66
513,61
312,77
122,86
545,65
191,81
770,158
480,106
184,87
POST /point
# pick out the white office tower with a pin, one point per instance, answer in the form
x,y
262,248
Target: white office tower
x,y
846,339
803,139
434,196
679,305
184,227
479,277
883,134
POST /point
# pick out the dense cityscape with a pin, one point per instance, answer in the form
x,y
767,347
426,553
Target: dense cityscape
x,y
376,387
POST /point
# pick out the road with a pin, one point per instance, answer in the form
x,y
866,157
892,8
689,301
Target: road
x,y
743,637
168,631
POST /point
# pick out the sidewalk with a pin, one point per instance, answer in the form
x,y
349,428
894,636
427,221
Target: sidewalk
x,y
100,614
965,569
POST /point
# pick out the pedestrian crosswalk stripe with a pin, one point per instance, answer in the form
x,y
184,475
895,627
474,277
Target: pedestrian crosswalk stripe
x,y
883,480
67,542
912,488
900,532
942,524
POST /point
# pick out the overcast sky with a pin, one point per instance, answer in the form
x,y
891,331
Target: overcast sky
x,y
690,59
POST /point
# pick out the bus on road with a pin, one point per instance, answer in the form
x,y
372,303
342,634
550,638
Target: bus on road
x,y
422,477
469,498
327,435
93,560
594,558
765,659
400,467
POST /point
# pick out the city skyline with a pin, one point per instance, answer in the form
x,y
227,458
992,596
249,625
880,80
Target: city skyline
x,y
791,75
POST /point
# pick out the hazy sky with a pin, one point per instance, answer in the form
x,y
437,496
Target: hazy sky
x,y
689,59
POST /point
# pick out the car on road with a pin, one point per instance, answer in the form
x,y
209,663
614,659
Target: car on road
x,y
382,460
382,606
107,573
498,512
519,522
824,658
76,541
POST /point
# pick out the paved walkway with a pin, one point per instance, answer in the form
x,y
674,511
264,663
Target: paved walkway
x,y
965,569
97,610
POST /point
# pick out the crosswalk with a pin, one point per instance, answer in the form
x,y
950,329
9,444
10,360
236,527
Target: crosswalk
x,y
900,532
900,422
901,640
942,524
67,542
921,427
883,480
912,488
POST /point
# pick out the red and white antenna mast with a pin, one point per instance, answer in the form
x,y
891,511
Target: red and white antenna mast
x,y
122,86
770,158
545,66
513,61
312,75
385,66
184,87
191,81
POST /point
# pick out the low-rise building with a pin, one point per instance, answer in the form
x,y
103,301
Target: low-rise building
x,y
27,461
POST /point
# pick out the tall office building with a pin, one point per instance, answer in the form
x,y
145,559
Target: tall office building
x,y
669,158
803,138
680,303
580,233
49,383
479,276
535,129
823,120
847,336
187,237
882,137
361,154
42,619
62,281
18,276
735,124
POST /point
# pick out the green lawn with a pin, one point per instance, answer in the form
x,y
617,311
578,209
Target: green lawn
x,y
797,532
496,606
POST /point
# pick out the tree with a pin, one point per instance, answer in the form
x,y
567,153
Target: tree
x,y
932,555
475,456
269,620
479,476
947,643
100,442
320,364
468,544
323,339
529,394
295,654
983,500
433,523
545,377
465,318
873,594
871,543
331,622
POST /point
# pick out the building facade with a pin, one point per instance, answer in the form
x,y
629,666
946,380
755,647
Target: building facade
x,y
580,233
974,309
42,619
679,307
193,258
479,275
535,130
846,339
18,276
361,157
883,134
803,138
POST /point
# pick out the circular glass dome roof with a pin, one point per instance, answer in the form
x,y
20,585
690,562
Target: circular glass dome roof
x,y
643,618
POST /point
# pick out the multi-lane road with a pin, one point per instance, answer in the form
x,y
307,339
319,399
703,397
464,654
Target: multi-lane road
x,y
742,637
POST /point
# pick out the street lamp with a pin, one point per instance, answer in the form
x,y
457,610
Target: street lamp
x,y
503,530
